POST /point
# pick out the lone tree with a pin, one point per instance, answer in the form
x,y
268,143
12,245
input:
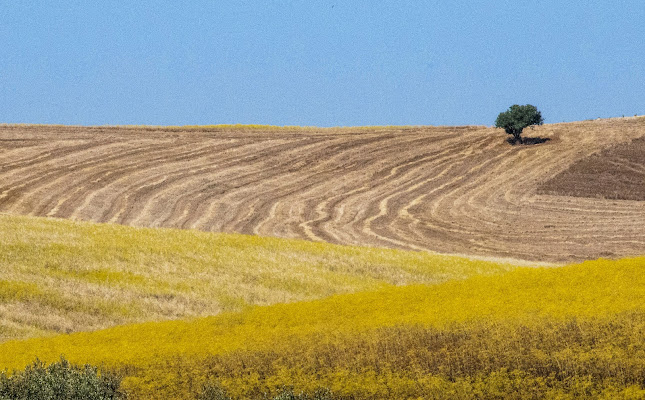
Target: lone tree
x,y
516,118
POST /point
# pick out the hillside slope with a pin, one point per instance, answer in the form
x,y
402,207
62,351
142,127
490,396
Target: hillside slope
x,y
576,325
460,190
617,173
59,276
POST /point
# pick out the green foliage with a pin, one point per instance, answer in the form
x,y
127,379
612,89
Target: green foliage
x,y
213,391
59,381
516,118
319,394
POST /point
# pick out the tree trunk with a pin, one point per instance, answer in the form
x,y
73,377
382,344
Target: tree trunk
x,y
518,137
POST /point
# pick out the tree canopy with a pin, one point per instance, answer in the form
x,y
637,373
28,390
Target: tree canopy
x,y
516,118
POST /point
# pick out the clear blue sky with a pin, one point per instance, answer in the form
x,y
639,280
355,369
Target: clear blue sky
x,y
318,62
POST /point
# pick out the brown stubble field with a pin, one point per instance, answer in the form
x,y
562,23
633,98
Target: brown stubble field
x,y
460,190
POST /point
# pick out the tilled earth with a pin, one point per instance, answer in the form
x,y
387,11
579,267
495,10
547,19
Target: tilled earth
x,y
615,173
461,190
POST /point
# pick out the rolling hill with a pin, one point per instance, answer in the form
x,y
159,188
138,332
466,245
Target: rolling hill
x,y
62,276
369,263
458,190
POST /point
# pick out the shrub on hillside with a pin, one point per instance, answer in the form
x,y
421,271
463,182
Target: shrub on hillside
x,y
516,118
213,391
59,381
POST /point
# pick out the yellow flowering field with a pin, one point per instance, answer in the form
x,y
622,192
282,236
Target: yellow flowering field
x,y
59,276
569,324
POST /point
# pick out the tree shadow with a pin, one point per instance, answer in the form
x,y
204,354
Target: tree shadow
x,y
528,140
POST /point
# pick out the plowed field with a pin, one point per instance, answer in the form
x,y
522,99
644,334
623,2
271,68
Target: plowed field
x,y
615,173
449,189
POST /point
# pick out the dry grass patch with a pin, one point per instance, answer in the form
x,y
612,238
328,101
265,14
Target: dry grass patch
x,y
61,276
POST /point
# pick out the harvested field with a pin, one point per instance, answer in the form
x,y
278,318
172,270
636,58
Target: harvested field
x,y
457,190
615,173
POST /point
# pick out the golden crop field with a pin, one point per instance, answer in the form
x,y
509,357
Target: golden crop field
x,y
335,342
61,276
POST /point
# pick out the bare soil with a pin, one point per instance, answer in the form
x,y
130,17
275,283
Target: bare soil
x,y
458,190
615,173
